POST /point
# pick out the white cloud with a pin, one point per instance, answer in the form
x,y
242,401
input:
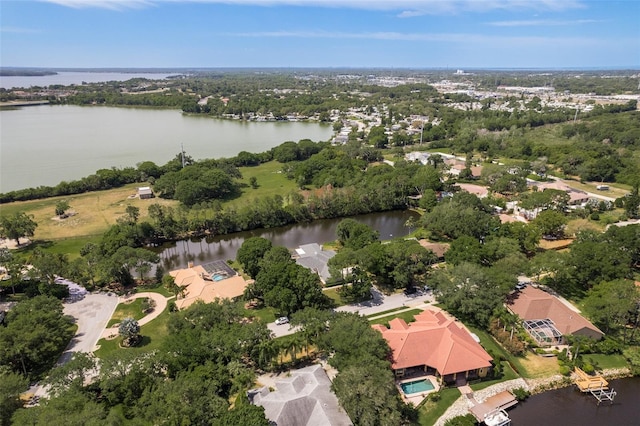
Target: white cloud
x,y
407,8
542,23
466,38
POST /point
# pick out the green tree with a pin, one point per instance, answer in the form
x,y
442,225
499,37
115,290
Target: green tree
x,y
187,399
11,386
61,207
129,330
73,408
72,374
355,235
36,332
610,304
368,394
251,253
357,288
16,226
471,292
551,223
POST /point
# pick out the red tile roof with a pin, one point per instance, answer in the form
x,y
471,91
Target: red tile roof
x,y
534,304
436,340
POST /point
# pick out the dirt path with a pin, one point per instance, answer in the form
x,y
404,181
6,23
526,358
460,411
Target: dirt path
x,y
161,304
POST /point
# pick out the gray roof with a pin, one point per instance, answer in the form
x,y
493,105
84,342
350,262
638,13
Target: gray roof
x,y
304,399
313,257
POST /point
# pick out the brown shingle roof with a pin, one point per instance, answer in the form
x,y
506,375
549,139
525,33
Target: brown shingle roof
x,y
436,340
534,304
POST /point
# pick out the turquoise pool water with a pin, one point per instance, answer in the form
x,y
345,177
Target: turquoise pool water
x,y
218,277
422,385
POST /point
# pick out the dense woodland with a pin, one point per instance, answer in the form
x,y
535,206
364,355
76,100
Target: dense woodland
x,y
211,354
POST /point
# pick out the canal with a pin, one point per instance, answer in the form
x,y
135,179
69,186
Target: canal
x,y
569,407
224,247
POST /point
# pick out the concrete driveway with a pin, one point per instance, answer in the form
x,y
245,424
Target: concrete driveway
x,y
91,313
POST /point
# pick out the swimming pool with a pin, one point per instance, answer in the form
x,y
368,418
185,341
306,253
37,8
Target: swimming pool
x,y
416,386
218,277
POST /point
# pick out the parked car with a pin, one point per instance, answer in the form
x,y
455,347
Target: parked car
x,y
282,321
521,285
410,290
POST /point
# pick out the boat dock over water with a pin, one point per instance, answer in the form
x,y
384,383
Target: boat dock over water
x,y
595,385
492,412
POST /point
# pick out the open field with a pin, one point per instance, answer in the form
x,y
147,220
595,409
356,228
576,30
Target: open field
x,y
270,182
95,212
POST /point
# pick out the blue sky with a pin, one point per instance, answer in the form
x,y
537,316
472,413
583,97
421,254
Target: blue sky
x,y
321,33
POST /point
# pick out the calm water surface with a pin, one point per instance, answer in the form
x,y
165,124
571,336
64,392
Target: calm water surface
x,y
46,144
75,77
225,247
569,407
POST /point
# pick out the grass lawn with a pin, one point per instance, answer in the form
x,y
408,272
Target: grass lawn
x,y
408,316
431,411
126,310
576,225
266,315
600,361
270,182
529,366
507,374
386,312
153,335
333,294
95,212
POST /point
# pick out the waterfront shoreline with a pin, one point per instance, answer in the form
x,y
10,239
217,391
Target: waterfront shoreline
x,y
460,406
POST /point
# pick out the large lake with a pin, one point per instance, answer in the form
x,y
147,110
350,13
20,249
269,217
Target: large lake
x,y
46,144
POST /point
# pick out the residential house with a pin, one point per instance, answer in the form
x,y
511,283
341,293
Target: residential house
x,y
435,344
548,319
313,257
207,283
303,399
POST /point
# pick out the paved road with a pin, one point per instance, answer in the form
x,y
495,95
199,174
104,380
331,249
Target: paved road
x,y
379,303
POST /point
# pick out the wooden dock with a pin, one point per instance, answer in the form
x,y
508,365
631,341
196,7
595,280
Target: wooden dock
x,y
587,383
595,385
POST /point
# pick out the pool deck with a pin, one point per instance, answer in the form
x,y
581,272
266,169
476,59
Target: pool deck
x,y
418,397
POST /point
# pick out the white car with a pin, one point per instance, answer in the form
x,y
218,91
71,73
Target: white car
x,y
282,321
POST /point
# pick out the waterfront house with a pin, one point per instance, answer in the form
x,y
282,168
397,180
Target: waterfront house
x,y
303,399
548,319
435,344
207,283
313,257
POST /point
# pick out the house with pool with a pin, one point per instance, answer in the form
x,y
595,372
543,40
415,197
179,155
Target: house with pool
x,y
207,283
434,348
